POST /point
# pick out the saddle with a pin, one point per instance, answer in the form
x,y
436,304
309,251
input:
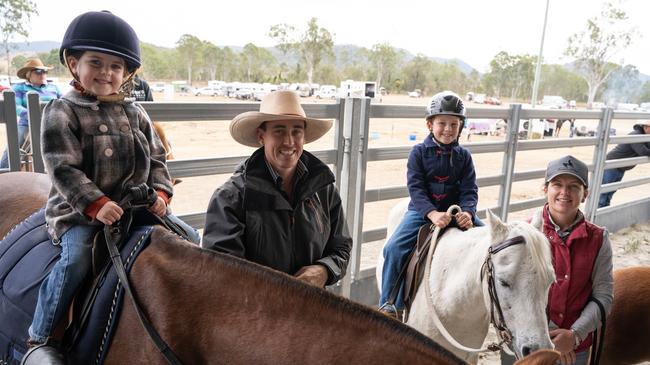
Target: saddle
x,y
413,270
26,257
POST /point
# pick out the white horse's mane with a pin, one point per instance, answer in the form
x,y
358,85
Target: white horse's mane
x,y
539,249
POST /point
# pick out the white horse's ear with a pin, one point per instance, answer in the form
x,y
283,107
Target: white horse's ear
x,y
498,229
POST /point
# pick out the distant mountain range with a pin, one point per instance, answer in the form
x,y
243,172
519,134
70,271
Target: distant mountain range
x,y
344,53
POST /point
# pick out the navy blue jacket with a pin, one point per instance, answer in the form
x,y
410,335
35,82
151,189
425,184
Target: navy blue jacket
x,y
439,176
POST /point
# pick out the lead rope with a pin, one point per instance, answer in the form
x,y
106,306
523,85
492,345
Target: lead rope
x,y
436,320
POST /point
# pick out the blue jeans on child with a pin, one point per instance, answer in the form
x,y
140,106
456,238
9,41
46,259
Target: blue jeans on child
x,y
22,135
609,176
397,250
58,289
192,233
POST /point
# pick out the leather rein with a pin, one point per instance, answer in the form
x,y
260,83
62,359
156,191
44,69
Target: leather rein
x,y
487,271
137,197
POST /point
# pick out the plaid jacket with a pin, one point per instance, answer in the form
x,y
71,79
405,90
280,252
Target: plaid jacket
x,y
92,149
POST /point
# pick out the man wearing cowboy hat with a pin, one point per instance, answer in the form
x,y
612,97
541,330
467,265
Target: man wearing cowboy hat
x,y
35,74
281,208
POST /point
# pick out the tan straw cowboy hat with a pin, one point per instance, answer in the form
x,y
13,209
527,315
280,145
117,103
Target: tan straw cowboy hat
x,y
278,105
30,65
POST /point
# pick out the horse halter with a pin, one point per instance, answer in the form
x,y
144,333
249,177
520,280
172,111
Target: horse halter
x,y
496,314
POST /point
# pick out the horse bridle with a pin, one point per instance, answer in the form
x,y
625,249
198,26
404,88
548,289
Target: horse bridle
x,y
496,314
487,269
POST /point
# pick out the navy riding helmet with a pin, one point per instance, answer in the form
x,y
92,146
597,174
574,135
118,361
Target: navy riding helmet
x,y
102,31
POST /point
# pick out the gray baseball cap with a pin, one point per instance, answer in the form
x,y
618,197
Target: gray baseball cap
x,y
568,165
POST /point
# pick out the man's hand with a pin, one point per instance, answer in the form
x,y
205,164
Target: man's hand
x,y
315,275
439,219
109,213
159,208
564,340
464,220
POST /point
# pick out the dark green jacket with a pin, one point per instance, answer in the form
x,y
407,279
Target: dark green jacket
x,y
249,217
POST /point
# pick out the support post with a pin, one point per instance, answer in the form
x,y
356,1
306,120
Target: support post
x,y
508,164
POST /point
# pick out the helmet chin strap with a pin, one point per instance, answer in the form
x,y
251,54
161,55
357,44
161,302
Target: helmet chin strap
x,y
123,92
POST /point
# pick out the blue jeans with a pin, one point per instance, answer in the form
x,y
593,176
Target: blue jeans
x,y
58,289
22,135
192,233
609,176
397,250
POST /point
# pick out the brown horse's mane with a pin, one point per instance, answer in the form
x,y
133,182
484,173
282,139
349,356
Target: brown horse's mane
x,y
405,334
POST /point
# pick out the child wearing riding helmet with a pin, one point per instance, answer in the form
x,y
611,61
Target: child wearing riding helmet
x,y
95,144
440,173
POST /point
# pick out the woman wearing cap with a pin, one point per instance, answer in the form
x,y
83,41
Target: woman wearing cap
x,y
281,208
582,257
35,74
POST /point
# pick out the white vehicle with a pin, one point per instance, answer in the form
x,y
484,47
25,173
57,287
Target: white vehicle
x,y
209,91
415,93
263,90
357,89
158,87
628,107
598,105
479,98
326,92
554,102
216,83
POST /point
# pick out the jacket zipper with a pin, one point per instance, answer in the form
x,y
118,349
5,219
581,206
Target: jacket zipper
x,y
318,220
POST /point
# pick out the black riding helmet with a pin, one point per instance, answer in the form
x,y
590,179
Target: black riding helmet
x,y
446,103
102,31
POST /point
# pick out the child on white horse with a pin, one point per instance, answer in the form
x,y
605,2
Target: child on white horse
x,y
440,173
95,144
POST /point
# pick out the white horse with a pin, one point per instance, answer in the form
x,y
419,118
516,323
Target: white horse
x,y
522,273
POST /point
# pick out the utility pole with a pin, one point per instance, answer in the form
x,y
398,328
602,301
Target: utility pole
x,y
538,71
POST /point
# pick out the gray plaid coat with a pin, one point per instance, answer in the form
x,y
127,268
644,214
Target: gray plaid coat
x,y
92,149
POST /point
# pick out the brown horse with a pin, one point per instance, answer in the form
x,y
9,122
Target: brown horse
x,y
216,309
627,334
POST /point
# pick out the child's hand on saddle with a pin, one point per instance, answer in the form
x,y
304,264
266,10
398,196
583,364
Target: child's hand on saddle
x,y
109,213
159,208
464,220
439,219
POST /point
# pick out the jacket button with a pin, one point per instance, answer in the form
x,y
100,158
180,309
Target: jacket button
x,y
108,152
94,107
124,128
566,277
103,128
561,315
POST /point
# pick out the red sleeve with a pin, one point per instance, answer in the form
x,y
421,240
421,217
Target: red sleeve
x,y
95,206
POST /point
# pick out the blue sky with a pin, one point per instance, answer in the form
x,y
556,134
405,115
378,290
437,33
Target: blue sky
x,y
472,30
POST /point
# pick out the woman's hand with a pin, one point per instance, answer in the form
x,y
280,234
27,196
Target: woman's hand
x,y
159,208
109,213
439,219
464,220
564,340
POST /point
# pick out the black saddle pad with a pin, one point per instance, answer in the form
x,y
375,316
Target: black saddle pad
x,y
26,258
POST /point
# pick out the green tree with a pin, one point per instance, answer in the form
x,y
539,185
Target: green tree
x,y
510,74
190,48
557,80
312,46
51,59
14,16
594,49
384,58
416,73
18,61
227,64
257,63
211,58
644,94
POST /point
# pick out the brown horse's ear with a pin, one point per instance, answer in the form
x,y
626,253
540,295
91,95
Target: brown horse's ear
x,y
540,357
498,229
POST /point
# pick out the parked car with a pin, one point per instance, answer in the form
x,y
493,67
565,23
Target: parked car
x,y
415,93
326,92
492,100
209,91
554,102
158,87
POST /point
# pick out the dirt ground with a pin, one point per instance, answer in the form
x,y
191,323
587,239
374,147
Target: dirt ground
x,y
211,139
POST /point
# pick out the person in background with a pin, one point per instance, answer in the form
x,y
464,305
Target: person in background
x,y
141,90
626,150
35,75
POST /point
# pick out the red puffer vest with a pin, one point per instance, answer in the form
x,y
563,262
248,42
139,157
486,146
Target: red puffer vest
x,y
573,260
